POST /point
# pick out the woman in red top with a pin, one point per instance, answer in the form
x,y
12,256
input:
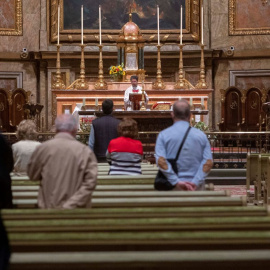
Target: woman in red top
x,y
125,153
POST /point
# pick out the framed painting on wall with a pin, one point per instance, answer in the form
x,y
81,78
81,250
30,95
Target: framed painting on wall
x,y
249,17
115,14
11,18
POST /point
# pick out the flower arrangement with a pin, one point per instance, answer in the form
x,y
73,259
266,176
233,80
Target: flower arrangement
x,y
117,71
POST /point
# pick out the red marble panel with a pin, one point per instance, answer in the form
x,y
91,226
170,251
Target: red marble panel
x,y
252,14
7,15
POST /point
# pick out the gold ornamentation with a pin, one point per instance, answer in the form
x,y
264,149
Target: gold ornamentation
x,y
233,105
72,35
182,83
159,84
18,30
233,31
2,106
100,83
202,83
264,2
254,105
81,84
223,96
19,107
59,84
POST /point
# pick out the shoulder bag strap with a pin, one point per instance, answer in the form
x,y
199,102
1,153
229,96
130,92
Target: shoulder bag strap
x,y
182,143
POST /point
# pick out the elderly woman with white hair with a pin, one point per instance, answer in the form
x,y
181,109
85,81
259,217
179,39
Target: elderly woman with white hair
x,y
67,168
23,150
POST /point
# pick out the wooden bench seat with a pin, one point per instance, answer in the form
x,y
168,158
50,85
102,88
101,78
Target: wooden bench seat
x,y
134,212
124,224
139,241
150,202
133,194
122,260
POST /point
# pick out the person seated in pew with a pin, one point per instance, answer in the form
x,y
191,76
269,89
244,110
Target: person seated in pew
x,y
195,159
23,150
125,152
67,168
6,166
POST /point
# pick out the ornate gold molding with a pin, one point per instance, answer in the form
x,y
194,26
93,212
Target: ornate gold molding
x,y
233,31
190,33
18,30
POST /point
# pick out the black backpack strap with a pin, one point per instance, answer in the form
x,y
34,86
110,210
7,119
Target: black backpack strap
x,y
182,143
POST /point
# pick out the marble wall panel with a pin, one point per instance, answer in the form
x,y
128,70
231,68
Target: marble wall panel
x,y
31,27
7,14
220,38
251,14
29,74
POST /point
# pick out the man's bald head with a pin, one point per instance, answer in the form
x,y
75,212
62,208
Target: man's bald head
x,y
66,123
181,110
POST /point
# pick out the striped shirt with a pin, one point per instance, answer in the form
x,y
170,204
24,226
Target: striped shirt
x,y
125,156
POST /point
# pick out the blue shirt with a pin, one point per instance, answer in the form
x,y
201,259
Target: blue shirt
x,y
91,141
194,154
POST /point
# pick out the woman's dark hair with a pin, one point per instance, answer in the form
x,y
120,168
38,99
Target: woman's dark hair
x,y
128,128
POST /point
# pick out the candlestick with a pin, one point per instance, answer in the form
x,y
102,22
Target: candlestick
x,y
190,101
158,25
202,101
82,24
181,26
96,101
202,25
99,25
58,24
83,102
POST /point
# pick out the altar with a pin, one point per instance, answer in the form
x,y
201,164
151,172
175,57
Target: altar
x,y
148,121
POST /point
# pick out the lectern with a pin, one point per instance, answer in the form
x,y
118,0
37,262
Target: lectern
x,y
135,98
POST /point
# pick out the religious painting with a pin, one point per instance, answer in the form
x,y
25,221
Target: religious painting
x,y
249,17
115,14
11,18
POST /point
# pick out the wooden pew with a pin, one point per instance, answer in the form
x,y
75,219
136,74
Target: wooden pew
x,y
136,260
135,212
156,240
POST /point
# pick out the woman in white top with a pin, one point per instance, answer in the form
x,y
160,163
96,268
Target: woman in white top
x,y
23,150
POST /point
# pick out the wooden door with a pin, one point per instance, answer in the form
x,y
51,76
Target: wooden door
x,y
233,109
4,111
253,109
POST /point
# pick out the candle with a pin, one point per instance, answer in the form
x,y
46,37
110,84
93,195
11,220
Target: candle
x,y
83,102
158,25
202,25
181,26
179,98
82,23
202,101
190,101
58,24
96,101
99,17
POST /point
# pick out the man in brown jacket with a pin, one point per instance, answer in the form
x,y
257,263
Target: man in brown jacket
x,y
67,168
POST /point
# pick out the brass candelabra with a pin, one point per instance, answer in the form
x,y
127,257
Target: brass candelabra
x,y
143,98
182,83
80,83
159,84
100,83
202,83
58,84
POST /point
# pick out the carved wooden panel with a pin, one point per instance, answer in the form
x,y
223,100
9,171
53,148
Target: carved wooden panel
x,y
253,109
17,113
4,111
233,109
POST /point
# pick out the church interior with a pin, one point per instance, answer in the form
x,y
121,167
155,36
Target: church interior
x,y
58,56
